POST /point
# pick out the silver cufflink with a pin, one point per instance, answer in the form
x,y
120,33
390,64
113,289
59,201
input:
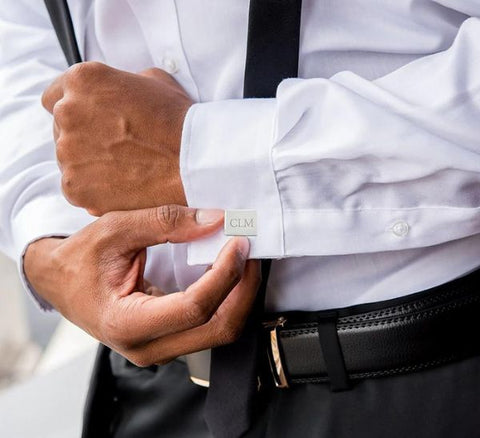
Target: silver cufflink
x,y
240,223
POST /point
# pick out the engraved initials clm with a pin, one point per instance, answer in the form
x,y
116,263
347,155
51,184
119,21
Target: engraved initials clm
x,y
241,223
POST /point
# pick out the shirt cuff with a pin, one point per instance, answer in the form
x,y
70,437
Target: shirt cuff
x,y
226,162
43,217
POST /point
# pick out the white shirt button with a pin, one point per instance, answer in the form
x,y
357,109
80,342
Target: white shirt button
x,y
170,65
400,228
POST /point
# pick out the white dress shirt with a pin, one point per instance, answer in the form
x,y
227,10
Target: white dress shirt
x,y
364,173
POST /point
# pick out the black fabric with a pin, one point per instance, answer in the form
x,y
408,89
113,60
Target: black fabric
x,y
156,401
62,23
429,328
272,55
232,397
438,403
100,402
272,48
332,352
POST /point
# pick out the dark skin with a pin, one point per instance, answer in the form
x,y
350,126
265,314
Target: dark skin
x,y
117,140
118,137
95,279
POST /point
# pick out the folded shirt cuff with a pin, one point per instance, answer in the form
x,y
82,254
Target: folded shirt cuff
x,y
226,162
50,216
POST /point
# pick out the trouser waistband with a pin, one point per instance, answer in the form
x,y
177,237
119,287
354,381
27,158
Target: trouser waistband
x,y
340,346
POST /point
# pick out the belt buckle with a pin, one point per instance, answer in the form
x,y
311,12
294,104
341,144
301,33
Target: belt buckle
x,y
274,354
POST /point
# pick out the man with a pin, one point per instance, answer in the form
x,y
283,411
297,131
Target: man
x,y
364,178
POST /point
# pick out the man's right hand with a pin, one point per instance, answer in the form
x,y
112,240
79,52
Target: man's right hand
x,y
95,279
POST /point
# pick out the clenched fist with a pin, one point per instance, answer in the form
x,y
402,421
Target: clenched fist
x,y
95,279
118,137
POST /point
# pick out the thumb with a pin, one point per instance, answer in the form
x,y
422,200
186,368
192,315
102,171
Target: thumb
x,y
137,229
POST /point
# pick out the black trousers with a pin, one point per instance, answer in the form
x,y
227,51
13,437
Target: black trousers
x,y
435,403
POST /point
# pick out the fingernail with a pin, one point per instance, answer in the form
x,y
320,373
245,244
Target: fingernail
x,y
208,216
244,246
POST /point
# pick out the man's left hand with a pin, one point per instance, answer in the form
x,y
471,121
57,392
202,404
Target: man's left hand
x,y
118,137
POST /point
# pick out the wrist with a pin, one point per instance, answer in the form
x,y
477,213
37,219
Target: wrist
x,y
170,189
37,263
179,189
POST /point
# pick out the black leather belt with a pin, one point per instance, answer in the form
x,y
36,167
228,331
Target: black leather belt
x,y
407,334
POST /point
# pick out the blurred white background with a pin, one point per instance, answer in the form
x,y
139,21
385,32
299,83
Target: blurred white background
x,y
45,363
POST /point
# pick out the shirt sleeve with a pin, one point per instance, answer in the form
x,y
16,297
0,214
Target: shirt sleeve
x,y
31,201
346,165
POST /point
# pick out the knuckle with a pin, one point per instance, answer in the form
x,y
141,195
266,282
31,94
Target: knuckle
x,y
198,312
95,65
115,333
61,151
93,211
83,71
76,195
68,185
123,341
109,227
63,110
76,73
154,72
139,359
228,333
45,99
72,190
233,273
109,219
65,151
168,216
110,222
116,338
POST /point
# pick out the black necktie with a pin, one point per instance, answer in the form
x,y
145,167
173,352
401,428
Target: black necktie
x,y
62,23
272,55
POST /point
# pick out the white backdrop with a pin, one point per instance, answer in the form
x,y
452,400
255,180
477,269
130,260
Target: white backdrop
x,y
18,355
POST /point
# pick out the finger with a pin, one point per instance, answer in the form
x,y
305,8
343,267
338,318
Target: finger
x,y
53,93
233,312
223,328
146,317
138,229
